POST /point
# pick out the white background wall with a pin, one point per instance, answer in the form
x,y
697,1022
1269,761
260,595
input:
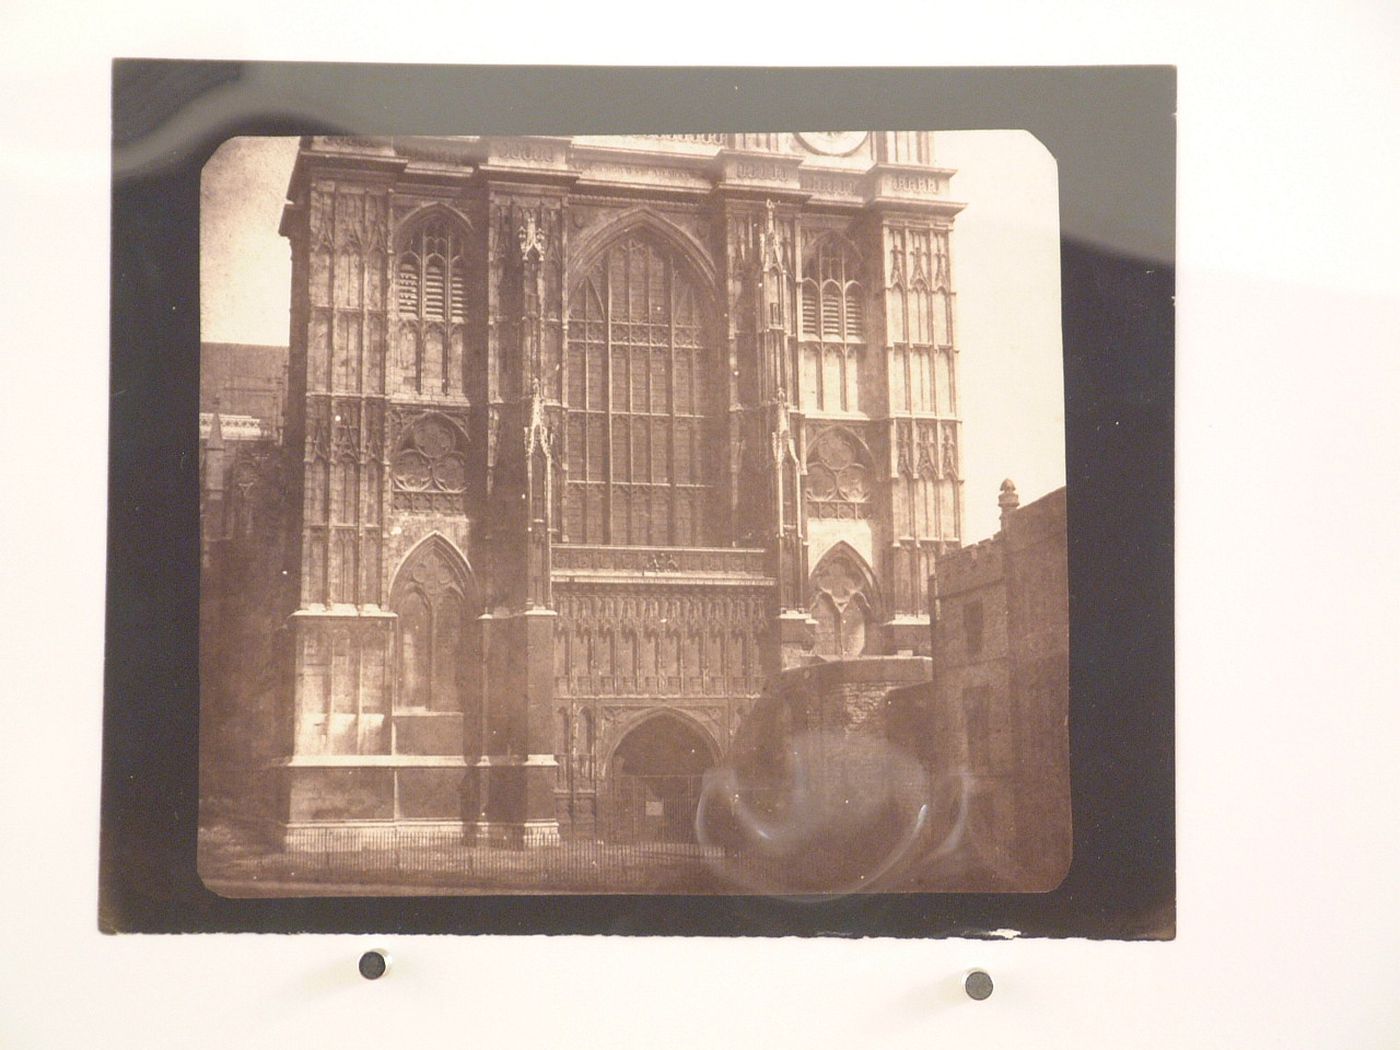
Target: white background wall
x,y
1289,487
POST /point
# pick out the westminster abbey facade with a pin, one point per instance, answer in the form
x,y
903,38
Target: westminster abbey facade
x,y
585,438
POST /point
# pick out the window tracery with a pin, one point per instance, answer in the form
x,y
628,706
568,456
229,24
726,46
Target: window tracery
x,y
431,302
640,398
838,476
841,604
832,325
429,468
433,597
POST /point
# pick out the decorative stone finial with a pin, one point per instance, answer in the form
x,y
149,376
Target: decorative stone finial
x,y
215,441
532,238
1008,500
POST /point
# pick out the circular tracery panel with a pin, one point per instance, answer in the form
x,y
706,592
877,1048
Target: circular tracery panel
x,y
821,484
412,469
852,482
835,450
430,458
434,436
832,143
450,472
838,475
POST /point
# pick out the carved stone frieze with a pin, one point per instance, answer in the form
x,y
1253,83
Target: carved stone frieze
x,y
651,561
654,641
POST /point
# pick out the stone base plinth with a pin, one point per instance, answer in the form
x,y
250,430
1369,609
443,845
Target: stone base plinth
x,y
511,801
366,837
528,834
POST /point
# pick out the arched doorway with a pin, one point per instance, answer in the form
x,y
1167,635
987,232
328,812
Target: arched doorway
x,y
652,782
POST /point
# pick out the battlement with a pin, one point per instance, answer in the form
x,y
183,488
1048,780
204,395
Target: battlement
x,y
983,564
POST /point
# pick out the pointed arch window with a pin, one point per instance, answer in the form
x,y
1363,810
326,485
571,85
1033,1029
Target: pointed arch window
x,y
842,597
431,287
434,598
832,325
641,398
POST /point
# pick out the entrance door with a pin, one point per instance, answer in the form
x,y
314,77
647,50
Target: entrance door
x,y
653,782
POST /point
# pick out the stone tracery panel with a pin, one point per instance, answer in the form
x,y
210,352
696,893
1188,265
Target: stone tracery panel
x,y
839,475
429,464
843,603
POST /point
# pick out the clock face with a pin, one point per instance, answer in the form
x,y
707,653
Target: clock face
x,y
832,143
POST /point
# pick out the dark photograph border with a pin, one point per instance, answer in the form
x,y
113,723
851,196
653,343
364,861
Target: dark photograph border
x,y
1112,133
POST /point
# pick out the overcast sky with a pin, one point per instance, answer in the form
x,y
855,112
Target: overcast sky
x,y
1006,267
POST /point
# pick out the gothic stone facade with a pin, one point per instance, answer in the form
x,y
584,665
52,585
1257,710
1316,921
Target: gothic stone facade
x,y
586,438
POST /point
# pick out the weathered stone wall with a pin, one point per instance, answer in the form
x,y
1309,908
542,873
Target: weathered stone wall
x,y
247,589
996,713
979,732
243,379
1038,614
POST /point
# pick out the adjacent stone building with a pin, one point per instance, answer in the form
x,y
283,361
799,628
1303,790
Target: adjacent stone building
x,y
246,384
245,579
994,719
585,438
949,773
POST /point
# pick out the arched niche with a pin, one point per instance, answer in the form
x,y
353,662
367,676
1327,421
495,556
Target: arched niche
x,y
843,599
435,598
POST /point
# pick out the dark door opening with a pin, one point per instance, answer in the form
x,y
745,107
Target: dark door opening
x,y
653,783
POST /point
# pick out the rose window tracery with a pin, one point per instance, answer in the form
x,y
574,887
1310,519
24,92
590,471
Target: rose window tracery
x,y
430,465
838,477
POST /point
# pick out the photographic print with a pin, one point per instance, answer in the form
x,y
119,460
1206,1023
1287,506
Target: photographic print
x,y
632,514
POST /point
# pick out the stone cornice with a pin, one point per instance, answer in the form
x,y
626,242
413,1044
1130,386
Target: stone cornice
x,y
631,164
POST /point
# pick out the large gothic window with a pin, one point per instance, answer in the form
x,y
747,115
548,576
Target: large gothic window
x,y
430,280
842,594
640,394
832,327
433,598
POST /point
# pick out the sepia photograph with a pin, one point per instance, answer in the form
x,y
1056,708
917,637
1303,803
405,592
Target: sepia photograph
x,y
673,513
